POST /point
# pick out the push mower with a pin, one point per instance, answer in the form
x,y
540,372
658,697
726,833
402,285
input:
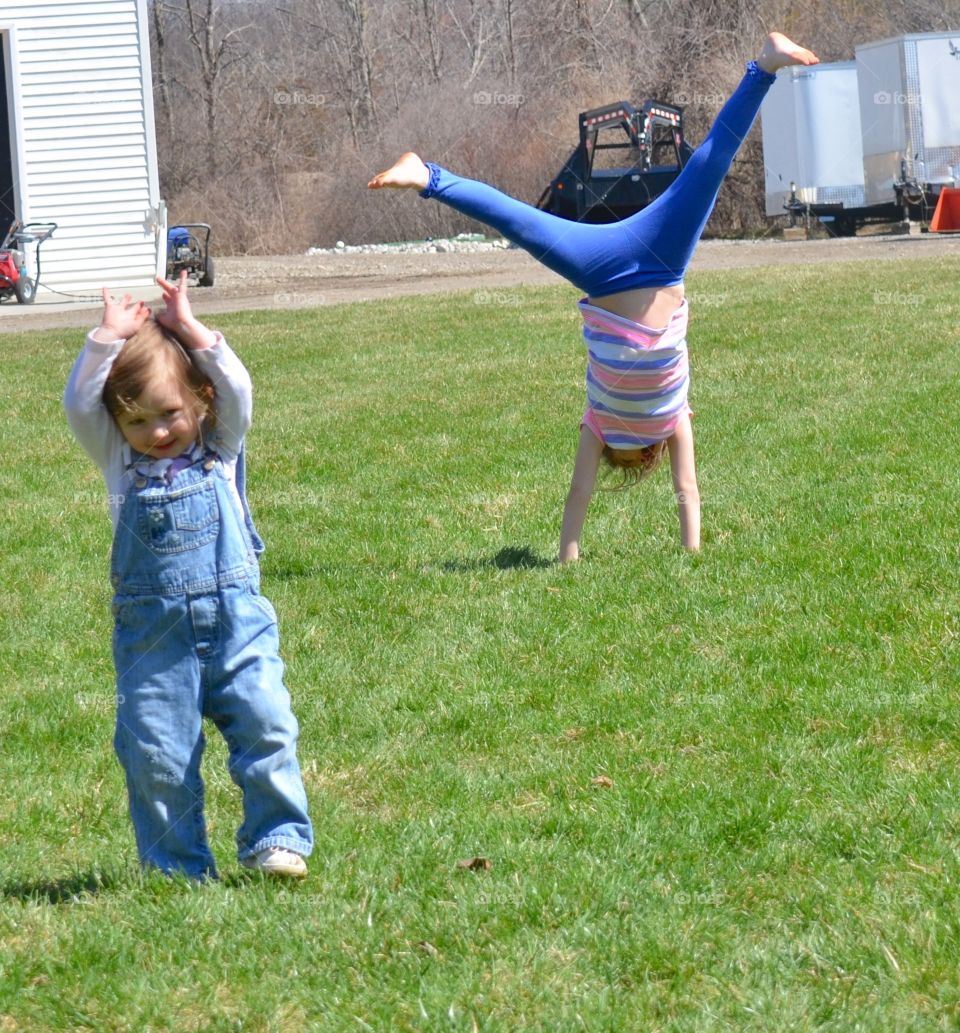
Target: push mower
x,y
14,277
188,247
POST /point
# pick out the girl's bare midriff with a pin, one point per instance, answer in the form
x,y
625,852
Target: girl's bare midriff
x,y
651,306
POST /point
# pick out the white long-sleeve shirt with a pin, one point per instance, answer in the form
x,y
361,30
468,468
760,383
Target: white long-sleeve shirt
x,y
100,437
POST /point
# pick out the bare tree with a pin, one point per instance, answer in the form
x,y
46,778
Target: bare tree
x,y
286,127
421,27
215,52
475,27
343,34
160,64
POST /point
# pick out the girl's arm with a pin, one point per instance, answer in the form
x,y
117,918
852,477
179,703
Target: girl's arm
x,y
233,393
231,382
683,467
89,420
585,469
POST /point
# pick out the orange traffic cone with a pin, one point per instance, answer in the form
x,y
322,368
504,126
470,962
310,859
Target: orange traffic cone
x,y
946,218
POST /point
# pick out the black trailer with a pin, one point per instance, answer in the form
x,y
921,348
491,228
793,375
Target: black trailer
x,y
626,157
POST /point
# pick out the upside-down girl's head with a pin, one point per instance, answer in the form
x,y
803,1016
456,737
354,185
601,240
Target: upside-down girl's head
x,y
636,464
161,401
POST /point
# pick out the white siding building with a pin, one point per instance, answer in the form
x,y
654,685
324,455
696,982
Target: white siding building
x,y
78,146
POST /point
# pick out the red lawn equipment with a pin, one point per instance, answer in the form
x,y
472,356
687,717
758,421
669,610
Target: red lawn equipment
x,y
14,275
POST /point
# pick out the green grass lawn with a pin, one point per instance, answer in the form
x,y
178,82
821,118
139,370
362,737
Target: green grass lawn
x,y
716,792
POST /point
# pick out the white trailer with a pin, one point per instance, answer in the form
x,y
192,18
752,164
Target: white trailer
x,y
910,114
873,139
810,124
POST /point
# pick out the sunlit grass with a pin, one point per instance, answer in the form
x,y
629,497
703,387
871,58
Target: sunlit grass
x,y
715,791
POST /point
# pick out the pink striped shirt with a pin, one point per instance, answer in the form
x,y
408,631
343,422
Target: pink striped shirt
x,y
637,377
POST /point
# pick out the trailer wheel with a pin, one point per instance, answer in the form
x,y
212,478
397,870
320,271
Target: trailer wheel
x,y
25,290
206,280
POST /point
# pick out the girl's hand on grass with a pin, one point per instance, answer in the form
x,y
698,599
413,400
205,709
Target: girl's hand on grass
x,y
123,318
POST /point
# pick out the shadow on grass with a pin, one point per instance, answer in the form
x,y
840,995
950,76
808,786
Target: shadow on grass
x,y
509,558
60,891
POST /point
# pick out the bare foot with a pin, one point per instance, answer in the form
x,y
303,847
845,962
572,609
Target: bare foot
x,y
407,172
778,52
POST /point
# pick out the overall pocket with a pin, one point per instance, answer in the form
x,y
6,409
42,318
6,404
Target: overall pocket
x,y
177,521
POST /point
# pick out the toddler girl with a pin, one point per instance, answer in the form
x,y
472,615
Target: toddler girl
x,y
634,315
161,406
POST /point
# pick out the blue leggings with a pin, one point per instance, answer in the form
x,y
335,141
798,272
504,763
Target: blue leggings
x,y
649,249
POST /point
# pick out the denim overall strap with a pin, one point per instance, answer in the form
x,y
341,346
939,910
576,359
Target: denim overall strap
x,y
241,481
183,538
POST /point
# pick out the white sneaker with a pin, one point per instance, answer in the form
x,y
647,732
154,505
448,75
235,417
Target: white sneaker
x,y
275,860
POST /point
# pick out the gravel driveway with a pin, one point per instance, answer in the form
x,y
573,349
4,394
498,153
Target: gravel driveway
x,y
305,281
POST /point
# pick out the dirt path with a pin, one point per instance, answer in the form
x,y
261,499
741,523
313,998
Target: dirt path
x,y
302,281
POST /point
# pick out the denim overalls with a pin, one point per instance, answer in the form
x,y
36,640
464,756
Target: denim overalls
x,y
194,638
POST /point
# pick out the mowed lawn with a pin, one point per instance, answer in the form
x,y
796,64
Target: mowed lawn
x,y
651,791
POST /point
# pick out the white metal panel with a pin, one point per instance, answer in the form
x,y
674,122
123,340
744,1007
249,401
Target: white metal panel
x,y
49,197
35,38
910,111
883,97
938,62
91,182
111,239
85,136
47,134
87,124
80,254
84,218
75,91
90,157
38,10
781,162
106,66
80,75
810,121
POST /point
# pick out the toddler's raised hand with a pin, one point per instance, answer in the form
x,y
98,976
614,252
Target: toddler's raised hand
x,y
177,315
176,303
122,318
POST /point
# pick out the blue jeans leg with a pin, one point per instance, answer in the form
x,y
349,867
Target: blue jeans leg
x,y
668,230
649,249
247,700
158,737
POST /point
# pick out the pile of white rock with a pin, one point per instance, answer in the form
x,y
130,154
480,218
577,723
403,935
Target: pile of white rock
x,y
463,242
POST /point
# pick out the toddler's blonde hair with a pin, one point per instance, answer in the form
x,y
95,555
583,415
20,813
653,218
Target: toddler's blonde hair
x,y
154,352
